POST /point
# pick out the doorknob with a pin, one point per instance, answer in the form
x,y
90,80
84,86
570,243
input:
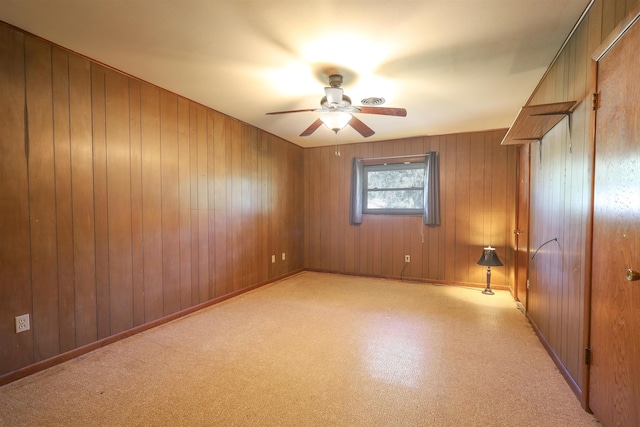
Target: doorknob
x,y
632,275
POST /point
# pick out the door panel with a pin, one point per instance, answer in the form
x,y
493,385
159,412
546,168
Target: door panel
x,y
614,394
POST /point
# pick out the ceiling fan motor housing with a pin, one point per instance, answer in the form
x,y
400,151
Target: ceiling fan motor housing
x,y
335,102
335,80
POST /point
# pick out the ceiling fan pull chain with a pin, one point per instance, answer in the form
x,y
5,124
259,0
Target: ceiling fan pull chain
x,y
337,150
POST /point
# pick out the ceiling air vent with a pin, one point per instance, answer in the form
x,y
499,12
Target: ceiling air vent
x,y
374,100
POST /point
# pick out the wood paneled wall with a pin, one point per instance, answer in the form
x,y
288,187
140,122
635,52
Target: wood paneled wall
x,y
561,186
477,195
122,203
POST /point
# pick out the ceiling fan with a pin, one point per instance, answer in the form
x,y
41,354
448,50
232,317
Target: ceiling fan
x,y
337,110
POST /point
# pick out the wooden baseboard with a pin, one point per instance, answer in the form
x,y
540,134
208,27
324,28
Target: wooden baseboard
x,y
416,279
575,387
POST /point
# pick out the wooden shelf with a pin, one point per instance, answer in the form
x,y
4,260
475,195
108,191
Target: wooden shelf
x,y
534,121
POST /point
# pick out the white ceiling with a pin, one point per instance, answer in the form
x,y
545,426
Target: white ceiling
x,y
455,65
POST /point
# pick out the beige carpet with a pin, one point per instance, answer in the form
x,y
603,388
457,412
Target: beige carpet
x,y
315,350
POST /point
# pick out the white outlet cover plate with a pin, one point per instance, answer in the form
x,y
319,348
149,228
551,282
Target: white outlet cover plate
x,y
22,323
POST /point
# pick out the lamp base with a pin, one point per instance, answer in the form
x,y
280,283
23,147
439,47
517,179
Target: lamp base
x,y
487,290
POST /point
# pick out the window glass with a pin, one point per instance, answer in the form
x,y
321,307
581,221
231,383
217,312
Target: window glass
x,y
394,188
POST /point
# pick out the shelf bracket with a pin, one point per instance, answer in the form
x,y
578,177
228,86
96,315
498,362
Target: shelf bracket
x,y
568,114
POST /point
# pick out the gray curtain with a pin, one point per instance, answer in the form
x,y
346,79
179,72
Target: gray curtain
x,y
431,214
357,177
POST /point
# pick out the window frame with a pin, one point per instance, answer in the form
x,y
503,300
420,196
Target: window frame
x,y
392,167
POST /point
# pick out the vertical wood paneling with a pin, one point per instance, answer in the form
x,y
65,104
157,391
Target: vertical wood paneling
x,y
245,197
220,203
229,206
277,194
184,191
480,182
234,208
254,218
473,213
561,188
608,16
151,202
348,153
313,226
118,216
332,229
267,202
489,187
264,208
297,206
463,208
170,202
342,202
212,134
137,242
193,204
580,205
15,292
118,151
503,191
448,211
100,200
42,209
64,217
84,262
249,171
307,203
203,206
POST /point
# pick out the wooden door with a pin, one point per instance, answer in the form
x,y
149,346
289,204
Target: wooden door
x,y
614,387
522,225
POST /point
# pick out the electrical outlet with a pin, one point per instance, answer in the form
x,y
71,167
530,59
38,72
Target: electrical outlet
x,y
22,323
283,256
407,258
273,259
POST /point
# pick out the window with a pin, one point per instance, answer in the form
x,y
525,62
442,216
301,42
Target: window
x,y
396,188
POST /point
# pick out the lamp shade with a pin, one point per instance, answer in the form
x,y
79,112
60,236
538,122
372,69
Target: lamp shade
x,y
335,120
489,258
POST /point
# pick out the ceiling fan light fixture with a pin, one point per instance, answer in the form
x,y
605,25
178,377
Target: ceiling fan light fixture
x,y
335,120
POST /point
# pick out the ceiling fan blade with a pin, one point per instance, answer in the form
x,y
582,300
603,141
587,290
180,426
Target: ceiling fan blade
x,y
359,126
385,111
291,111
315,125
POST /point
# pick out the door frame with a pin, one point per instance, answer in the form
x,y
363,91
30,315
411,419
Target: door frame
x,y
521,264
